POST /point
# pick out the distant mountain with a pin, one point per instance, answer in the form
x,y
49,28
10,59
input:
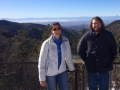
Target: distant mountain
x,y
65,21
76,27
66,18
34,30
114,26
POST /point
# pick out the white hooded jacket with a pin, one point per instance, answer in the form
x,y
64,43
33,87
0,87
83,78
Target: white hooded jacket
x,y
48,58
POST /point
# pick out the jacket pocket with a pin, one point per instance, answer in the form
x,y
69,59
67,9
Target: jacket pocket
x,y
90,64
105,62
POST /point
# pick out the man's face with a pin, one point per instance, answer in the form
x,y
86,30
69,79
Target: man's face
x,y
96,25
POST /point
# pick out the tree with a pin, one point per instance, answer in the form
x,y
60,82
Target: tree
x,y
82,31
5,46
46,33
73,42
117,37
23,47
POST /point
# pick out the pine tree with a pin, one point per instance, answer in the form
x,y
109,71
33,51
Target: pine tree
x,y
117,37
73,42
82,31
46,33
23,47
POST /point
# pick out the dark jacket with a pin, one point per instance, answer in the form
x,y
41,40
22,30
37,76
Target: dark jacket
x,y
97,51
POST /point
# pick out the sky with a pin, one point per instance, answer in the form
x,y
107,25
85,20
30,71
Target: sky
x,y
58,8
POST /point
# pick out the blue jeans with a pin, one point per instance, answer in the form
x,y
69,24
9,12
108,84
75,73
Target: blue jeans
x,y
100,80
60,80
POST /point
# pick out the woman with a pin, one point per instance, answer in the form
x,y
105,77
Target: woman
x,y
54,54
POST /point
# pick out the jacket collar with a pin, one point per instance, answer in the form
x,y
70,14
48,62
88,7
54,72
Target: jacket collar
x,y
93,33
64,39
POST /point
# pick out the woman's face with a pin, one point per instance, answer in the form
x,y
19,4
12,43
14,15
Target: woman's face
x,y
56,31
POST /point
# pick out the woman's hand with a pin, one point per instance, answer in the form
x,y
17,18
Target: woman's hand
x,y
43,83
73,69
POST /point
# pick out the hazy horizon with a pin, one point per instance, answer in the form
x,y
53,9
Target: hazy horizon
x,y
65,21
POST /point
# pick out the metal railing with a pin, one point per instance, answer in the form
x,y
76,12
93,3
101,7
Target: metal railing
x,y
24,76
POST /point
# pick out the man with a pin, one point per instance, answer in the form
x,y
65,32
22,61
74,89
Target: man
x,y
98,49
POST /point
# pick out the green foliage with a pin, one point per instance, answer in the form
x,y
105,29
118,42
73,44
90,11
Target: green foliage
x,y
73,42
74,39
117,37
114,26
46,33
20,48
82,31
5,46
23,47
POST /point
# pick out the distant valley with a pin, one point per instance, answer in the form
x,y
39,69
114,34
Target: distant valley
x,y
35,30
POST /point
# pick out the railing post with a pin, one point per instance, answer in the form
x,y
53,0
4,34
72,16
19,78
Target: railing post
x,y
76,77
83,76
24,77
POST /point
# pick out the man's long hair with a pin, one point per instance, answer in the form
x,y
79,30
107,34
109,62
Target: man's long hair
x,y
98,19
